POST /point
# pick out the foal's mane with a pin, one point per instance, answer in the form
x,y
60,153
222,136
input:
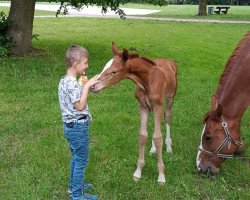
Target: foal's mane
x,y
135,55
148,60
231,63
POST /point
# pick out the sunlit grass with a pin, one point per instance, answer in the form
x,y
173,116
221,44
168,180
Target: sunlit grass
x,y
33,152
37,12
191,11
171,11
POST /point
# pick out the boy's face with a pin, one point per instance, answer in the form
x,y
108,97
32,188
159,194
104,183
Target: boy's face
x,y
80,67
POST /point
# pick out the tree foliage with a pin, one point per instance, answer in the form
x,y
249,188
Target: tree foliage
x,y
105,4
78,3
113,4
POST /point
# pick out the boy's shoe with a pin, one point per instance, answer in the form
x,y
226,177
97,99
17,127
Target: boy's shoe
x,y
86,186
87,196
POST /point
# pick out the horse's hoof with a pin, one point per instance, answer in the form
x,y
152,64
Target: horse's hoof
x,y
136,179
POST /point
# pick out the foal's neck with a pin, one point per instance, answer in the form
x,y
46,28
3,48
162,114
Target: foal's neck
x,y
139,72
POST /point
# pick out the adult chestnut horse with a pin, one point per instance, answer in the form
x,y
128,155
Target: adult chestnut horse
x,y
156,81
221,134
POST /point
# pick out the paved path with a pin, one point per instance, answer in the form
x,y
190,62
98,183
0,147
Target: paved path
x,y
90,10
94,11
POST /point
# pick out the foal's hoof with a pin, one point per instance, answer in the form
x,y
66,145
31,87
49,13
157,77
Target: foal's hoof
x,y
136,179
169,150
161,183
152,151
161,179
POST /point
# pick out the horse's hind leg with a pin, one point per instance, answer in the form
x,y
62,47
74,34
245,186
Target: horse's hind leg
x,y
168,140
144,113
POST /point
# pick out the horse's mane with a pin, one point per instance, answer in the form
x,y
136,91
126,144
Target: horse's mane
x,y
231,63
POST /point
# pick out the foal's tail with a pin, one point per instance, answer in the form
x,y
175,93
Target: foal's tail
x,y
174,68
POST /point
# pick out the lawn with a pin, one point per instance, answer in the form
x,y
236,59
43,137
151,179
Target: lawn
x,y
33,152
37,12
173,11
191,11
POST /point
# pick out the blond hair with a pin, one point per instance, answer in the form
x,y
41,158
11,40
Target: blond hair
x,y
74,54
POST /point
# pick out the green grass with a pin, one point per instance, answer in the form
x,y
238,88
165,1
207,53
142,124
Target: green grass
x,y
33,152
191,11
173,11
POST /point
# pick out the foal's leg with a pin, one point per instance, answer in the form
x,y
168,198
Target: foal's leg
x,y
168,140
159,142
143,140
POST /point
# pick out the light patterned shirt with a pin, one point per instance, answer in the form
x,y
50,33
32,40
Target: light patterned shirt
x,y
69,92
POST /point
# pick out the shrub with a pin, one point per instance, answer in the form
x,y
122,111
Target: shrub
x,y
5,41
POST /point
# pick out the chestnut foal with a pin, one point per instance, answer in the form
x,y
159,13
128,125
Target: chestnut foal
x,y
156,81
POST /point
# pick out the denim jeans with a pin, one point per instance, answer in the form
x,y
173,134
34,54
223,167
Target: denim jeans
x,y
77,135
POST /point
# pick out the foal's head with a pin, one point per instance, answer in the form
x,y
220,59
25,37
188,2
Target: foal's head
x,y
114,71
214,146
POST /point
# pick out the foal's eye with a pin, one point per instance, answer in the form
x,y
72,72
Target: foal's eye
x,y
113,72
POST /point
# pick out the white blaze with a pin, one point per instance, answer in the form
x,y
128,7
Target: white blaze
x,y
106,66
198,160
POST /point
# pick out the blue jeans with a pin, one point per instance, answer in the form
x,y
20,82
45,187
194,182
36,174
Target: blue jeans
x,y
77,135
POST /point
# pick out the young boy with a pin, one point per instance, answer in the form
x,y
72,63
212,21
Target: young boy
x,y
76,118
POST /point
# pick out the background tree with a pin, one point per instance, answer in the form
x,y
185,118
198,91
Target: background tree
x,y
202,10
21,16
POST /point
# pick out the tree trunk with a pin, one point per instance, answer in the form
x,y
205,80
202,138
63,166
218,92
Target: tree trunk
x,y
202,8
21,16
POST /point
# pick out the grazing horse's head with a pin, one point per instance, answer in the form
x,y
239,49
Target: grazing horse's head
x,y
219,141
114,71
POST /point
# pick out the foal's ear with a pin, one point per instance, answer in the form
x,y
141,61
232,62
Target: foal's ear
x,y
125,55
114,49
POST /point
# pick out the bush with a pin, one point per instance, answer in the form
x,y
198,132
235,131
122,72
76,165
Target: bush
x,y
5,41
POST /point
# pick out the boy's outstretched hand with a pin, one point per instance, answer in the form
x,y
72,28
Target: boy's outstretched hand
x,y
92,81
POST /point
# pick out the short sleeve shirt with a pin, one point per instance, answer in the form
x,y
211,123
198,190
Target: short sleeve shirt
x,y
69,92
